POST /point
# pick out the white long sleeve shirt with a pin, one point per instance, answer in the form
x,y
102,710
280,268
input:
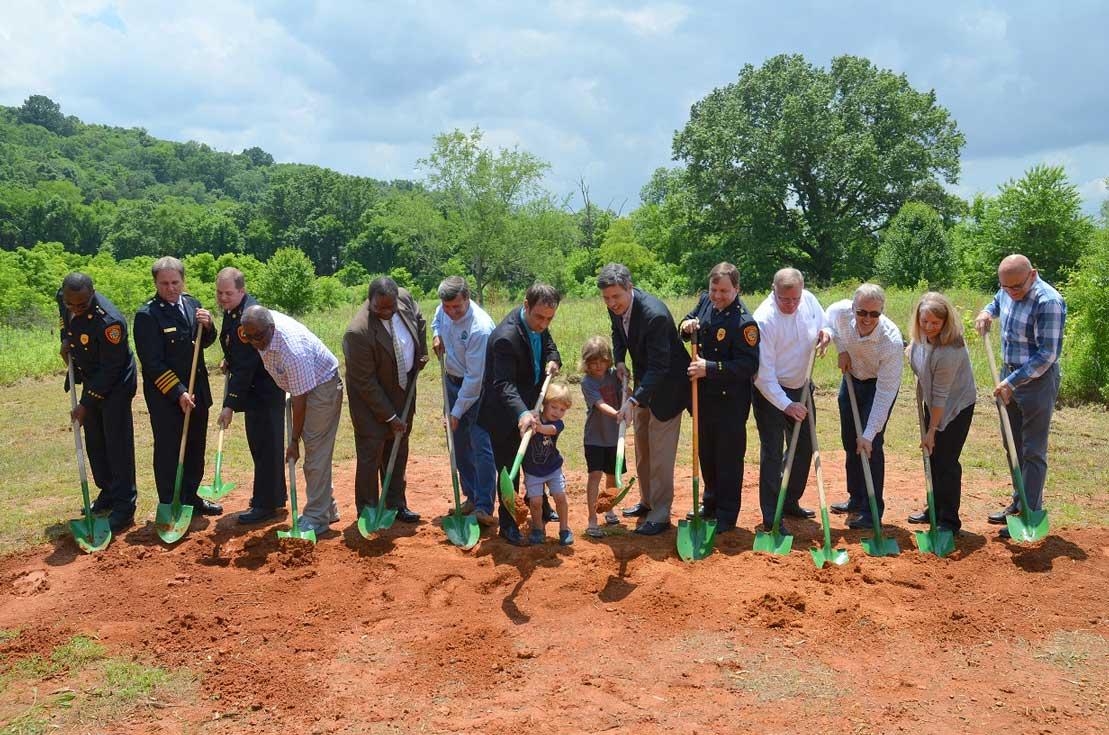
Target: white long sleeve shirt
x,y
786,341
465,342
877,355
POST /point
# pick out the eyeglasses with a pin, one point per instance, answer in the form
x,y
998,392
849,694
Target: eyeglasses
x,y
862,313
1017,287
254,337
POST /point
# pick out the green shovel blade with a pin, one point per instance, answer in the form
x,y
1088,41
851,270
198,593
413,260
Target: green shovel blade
x,y
375,518
101,533
773,542
822,556
695,538
621,495
1032,527
296,533
216,490
880,546
462,531
171,525
939,541
508,490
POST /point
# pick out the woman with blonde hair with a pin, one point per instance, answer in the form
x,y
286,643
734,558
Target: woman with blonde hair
x,y
945,383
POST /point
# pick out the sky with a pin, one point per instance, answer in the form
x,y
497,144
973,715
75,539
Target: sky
x,y
597,89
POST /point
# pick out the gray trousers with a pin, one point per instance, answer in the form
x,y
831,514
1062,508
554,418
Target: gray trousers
x,y
656,448
321,423
1030,413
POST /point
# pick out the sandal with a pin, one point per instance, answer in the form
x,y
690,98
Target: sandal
x,y
611,519
594,532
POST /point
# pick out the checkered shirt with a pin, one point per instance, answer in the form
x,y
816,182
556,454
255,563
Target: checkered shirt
x,y
1031,330
296,358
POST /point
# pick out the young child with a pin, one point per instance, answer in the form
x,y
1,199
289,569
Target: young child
x,y
601,389
543,466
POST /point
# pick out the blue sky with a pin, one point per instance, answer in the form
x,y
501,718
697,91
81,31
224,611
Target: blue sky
x,y
595,88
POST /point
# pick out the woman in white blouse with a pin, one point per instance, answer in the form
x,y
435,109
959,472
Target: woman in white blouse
x,y
945,381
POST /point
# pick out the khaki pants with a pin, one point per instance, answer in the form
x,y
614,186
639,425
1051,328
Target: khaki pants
x,y
656,447
321,424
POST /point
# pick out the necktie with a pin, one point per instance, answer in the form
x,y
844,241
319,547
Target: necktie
x,y
398,353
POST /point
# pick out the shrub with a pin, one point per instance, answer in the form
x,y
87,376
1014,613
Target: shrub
x,y
914,248
286,281
1086,343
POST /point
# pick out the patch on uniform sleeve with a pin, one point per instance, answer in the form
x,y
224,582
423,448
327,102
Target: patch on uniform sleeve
x,y
84,339
114,333
720,333
751,334
242,334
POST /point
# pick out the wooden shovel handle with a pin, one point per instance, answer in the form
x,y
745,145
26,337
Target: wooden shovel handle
x,y
192,384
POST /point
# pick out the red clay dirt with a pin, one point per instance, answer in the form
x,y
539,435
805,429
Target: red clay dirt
x,y
406,633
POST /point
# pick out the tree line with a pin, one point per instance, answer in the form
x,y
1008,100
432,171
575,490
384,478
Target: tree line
x,y
843,172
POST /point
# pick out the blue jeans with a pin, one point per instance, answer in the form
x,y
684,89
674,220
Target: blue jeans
x,y
473,454
1030,412
856,482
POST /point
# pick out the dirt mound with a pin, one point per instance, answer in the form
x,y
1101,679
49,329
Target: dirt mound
x,y
405,632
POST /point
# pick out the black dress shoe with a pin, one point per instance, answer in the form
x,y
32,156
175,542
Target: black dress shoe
x,y
724,528
550,517
839,507
651,528
998,518
782,530
689,515
860,522
512,535
797,511
921,517
636,511
119,523
257,515
207,507
407,516
1004,533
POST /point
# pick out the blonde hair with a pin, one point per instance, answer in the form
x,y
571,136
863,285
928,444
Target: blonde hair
x,y
558,393
939,306
596,347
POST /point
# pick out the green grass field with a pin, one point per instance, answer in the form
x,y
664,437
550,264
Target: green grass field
x,y
40,490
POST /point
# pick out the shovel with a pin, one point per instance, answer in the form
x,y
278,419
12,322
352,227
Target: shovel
x,y
507,477
378,517
620,466
695,537
938,541
171,520
294,531
879,545
92,533
1030,525
461,530
826,554
774,542
218,488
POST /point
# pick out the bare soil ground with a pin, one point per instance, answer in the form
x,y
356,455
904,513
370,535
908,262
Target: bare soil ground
x,y
406,633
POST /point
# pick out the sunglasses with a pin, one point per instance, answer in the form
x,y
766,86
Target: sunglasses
x,y
254,337
861,313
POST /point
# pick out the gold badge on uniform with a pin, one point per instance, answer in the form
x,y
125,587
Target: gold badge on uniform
x,y
751,334
720,334
242,334
84,339
114,334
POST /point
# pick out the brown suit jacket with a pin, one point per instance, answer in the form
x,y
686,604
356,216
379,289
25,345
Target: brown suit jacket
x,y
373,388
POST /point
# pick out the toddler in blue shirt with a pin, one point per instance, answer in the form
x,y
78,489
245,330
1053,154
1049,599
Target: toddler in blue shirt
x,y
543,466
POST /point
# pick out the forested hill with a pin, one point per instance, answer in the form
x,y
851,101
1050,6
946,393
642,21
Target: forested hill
x,y
98,188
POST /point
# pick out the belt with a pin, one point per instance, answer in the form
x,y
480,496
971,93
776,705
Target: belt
x,y
454,379
868,381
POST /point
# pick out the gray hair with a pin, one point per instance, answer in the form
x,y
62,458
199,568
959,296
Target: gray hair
x,y
257,316
789,278
452,287
869,292
77,281
383,285
168,263
614,274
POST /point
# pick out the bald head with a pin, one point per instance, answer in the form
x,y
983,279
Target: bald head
x,y
1016,276
1015,265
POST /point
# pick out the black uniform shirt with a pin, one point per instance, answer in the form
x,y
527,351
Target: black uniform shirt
x,y
249,384
164,342
728,342
98,346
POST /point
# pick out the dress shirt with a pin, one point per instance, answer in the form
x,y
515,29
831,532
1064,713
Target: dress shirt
x,y
877,355
296,358
1031,330
464,345
786,341
401,336
626,317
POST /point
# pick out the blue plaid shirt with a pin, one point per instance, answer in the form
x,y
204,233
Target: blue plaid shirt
x,y
1031,330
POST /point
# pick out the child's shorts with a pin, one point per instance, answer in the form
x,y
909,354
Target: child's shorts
x,y
555,482
600,459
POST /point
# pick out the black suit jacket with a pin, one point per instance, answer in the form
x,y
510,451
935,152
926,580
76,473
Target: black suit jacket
x,y
250,387
509,387
658,357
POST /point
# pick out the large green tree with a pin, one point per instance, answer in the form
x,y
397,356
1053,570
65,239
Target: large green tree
x,y
804,165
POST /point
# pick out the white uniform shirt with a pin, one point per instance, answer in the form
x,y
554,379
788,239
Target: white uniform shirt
x,y
786,341
877,355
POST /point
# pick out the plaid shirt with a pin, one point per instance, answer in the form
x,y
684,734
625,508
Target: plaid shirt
x,y
1031,330
296,358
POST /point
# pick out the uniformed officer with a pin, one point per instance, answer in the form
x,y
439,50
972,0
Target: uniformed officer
x,y
728,339
251,390
94,336
165,328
